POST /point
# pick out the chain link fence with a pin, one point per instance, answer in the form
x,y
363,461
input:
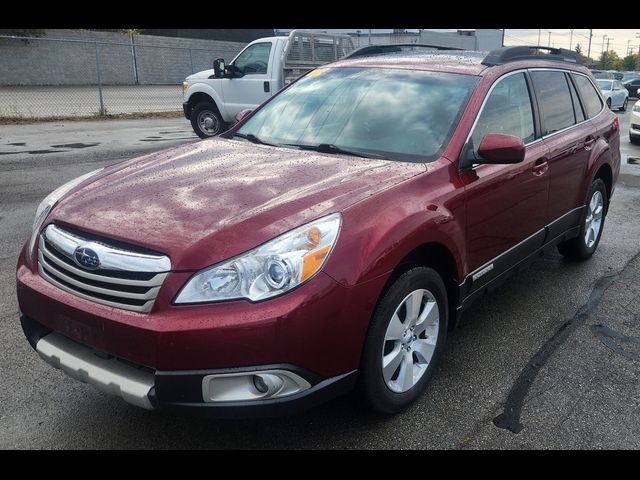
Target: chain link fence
x,y
57,78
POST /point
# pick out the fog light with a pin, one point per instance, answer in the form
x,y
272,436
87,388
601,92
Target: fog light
x,y
253,385
268,384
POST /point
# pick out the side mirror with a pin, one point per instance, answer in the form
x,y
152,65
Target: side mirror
x,y
243,114
500,148
218,67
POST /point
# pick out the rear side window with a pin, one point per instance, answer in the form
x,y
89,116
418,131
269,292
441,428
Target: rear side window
x,y
508,110
554,99
590,97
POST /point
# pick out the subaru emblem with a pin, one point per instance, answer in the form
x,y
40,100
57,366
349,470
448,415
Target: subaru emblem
x,y
87,258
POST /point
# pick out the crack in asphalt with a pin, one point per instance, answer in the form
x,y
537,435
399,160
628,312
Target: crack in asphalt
x,y
612,339
509,419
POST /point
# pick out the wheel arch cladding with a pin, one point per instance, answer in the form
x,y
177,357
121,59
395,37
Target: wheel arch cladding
x,y
438,257
606,174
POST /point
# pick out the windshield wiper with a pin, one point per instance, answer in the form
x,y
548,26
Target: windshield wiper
x,y
253,139
331,148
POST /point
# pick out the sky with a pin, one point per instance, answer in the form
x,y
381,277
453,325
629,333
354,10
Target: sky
x,y
560,38
619,39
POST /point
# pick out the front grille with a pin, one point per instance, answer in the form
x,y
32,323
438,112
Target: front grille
x,y
124,279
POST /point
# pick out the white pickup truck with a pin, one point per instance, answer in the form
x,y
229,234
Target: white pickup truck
x,y
212,98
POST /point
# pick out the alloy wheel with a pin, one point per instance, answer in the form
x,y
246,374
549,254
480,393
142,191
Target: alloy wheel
x,y
410,340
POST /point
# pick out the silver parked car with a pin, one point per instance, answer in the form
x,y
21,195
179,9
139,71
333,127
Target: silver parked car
x,y
614,93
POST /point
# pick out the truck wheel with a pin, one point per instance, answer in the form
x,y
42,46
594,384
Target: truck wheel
x,y
592,224
206,120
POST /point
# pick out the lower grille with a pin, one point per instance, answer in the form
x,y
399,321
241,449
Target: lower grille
x,y
106,283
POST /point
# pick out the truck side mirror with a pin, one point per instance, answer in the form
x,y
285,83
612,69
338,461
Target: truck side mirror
x,y
218,67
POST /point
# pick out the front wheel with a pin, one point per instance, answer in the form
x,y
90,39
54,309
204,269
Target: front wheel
x,y
624,105
609,103
206,120
585,244
404,341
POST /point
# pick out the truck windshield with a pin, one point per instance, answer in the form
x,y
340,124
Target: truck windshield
x,y
378,113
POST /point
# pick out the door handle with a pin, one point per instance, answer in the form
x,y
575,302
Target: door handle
x,y
267,87
540,168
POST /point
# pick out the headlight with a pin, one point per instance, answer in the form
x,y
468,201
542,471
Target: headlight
x,y
636,107
50,200
185,86
269,270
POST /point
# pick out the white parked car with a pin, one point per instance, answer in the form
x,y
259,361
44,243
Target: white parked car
x,y
634,123
614,93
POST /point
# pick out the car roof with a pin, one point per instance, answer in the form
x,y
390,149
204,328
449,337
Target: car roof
x,y
452,61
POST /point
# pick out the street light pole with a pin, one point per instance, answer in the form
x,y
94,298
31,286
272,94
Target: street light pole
x,y
571,39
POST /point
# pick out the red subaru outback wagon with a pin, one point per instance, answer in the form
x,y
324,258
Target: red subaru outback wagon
x,y
328,241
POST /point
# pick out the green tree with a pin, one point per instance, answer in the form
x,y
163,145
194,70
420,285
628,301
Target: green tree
x,y
629,62
610,61
583,58
23,32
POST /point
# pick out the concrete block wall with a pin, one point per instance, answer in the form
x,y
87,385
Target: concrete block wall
x,y
159,60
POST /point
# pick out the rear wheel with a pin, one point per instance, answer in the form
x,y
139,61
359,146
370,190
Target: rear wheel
x,y
585,244
206,120
404,341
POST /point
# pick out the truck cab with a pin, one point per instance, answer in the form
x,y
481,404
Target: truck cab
x,y
212,98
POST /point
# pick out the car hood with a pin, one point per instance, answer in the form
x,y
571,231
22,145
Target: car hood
x,y
201,75
207,201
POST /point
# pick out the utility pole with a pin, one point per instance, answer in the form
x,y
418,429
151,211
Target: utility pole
x,y
571,39
539,32
590,35
549,43
628,43
604,37
607,52
369,36
638,36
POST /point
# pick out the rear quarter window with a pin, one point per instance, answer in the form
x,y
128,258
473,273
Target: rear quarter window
x,y
590,98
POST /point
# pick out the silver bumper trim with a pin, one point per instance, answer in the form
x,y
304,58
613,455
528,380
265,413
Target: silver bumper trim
x,y
108,375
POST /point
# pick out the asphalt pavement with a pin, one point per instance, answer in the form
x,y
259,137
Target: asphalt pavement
x,y
551,360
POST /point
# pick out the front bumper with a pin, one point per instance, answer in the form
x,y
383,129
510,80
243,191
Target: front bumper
x,y
180,391
186,109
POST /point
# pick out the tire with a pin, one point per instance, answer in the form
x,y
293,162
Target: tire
x,y
579,248
206,120
609,103
389,394
623,108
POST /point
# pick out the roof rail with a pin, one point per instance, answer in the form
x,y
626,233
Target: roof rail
x,y
395,47
503,55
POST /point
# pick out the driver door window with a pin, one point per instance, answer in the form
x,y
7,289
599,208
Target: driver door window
x,y
254,59
508,111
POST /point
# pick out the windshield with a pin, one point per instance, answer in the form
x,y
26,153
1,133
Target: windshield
x,y
604,84
390,113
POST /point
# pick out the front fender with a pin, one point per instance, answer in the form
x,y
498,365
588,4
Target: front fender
x,y
378,233
213,89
